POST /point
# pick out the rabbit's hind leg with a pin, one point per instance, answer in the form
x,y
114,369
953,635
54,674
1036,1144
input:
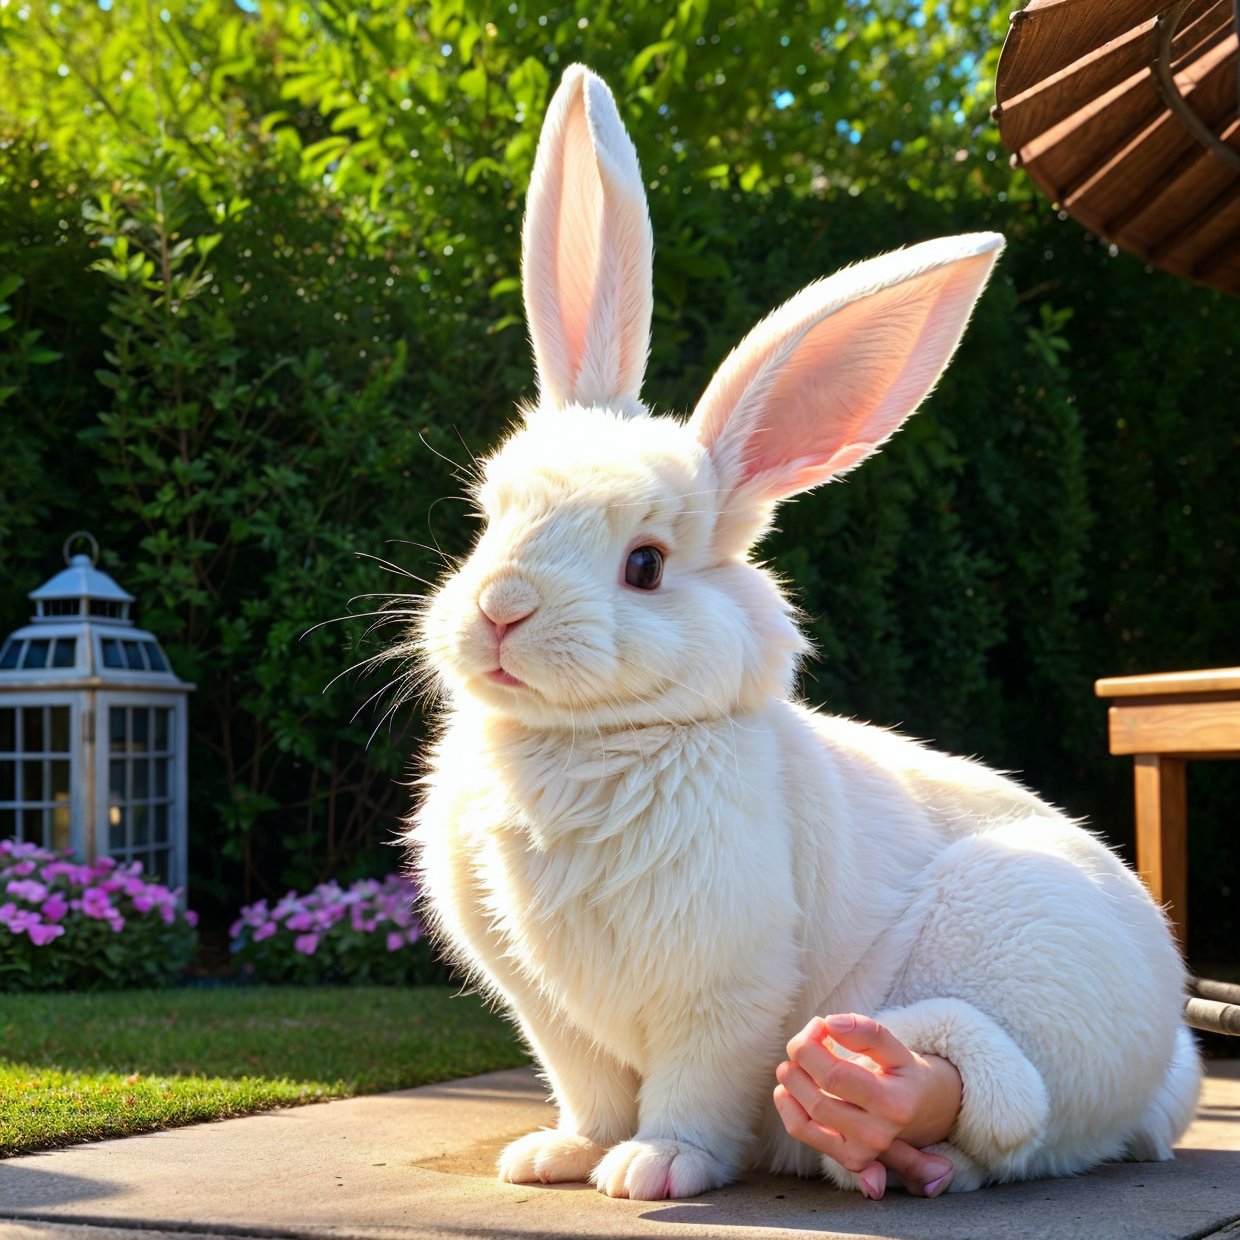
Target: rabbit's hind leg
x,y
1042,969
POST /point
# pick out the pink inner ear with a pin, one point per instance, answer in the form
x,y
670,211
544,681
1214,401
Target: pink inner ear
x,y
579,234
818,400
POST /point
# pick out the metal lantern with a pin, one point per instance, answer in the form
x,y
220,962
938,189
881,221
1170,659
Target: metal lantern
x,y
93,727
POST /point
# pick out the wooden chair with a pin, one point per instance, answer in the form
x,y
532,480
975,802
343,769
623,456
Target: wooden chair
x,y
1165,721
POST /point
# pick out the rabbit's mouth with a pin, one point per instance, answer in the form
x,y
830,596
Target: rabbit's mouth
x,y
498,676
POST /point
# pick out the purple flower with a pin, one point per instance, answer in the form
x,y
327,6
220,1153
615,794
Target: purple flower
x,y
27,890
265,931
97,903
22,868
395,941
300,921
290,904
42,934
306,944
191,917
21,920
54,907
255,914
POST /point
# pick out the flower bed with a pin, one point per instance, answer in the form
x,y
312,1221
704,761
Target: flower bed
x,y
368,932
67,926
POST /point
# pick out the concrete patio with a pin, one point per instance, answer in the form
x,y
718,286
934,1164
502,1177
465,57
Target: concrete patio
x,y
419,1164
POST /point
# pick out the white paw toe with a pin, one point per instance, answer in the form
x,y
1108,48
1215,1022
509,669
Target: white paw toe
x,y
549,1157
656,1169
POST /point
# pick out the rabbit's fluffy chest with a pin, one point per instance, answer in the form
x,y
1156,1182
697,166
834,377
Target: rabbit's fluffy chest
x,y
620,878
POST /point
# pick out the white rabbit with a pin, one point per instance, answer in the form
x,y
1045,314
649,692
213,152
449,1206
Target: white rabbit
x,y
635,838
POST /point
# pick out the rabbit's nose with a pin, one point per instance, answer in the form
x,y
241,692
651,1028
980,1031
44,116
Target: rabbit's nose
x,y
507,602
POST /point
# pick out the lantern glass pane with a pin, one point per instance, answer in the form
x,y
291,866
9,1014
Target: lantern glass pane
x,y
133,656
141,826
60,781
60,729
8,823
156,658
157,865
32,826
36,652
8,779
116,830
112,656
8,729
141,782
32,729
10,654
62,839
32,781
64,652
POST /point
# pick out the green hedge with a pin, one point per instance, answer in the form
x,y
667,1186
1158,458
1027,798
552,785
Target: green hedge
x,y
260,271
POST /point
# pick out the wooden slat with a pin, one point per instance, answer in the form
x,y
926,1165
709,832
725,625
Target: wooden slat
x,y
1127,132
1162,834
1219,992
1222,268
1196,35
1197,245
1048,102
1080,104
1119,187
1175,727
1212,1016
1156,684
1065,155
1048,35
1182,202
1164,154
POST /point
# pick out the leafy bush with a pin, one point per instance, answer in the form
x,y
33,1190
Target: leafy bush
x,y
274,255
87,927
367,933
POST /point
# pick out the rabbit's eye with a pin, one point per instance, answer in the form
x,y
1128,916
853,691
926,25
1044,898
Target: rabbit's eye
x,y
644,569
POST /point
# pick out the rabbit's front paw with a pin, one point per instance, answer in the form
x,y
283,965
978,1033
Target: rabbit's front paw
x,y
656,1169
549,1157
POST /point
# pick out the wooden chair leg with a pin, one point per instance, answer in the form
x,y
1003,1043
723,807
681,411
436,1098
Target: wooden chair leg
x,y
1162,835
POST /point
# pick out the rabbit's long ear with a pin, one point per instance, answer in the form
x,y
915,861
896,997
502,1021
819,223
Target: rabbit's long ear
x,y
821,382
587,251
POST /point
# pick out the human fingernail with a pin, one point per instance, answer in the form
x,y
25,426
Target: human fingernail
x,y
872,1183
935,1187
841,1024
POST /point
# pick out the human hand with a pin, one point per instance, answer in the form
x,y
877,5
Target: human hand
x,y
870,1116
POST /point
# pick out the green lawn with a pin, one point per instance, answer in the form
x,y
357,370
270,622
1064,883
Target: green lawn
x,y
78,1067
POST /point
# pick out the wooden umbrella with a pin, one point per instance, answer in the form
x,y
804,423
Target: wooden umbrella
x,y
1126,113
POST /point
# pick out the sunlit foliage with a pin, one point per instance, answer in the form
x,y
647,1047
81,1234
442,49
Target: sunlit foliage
x,y
259,274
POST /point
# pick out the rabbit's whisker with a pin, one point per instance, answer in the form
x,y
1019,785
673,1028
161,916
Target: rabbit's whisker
x,y
393,568
356,615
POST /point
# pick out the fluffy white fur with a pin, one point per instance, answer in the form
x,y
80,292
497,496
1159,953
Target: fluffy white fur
x,y
659,862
